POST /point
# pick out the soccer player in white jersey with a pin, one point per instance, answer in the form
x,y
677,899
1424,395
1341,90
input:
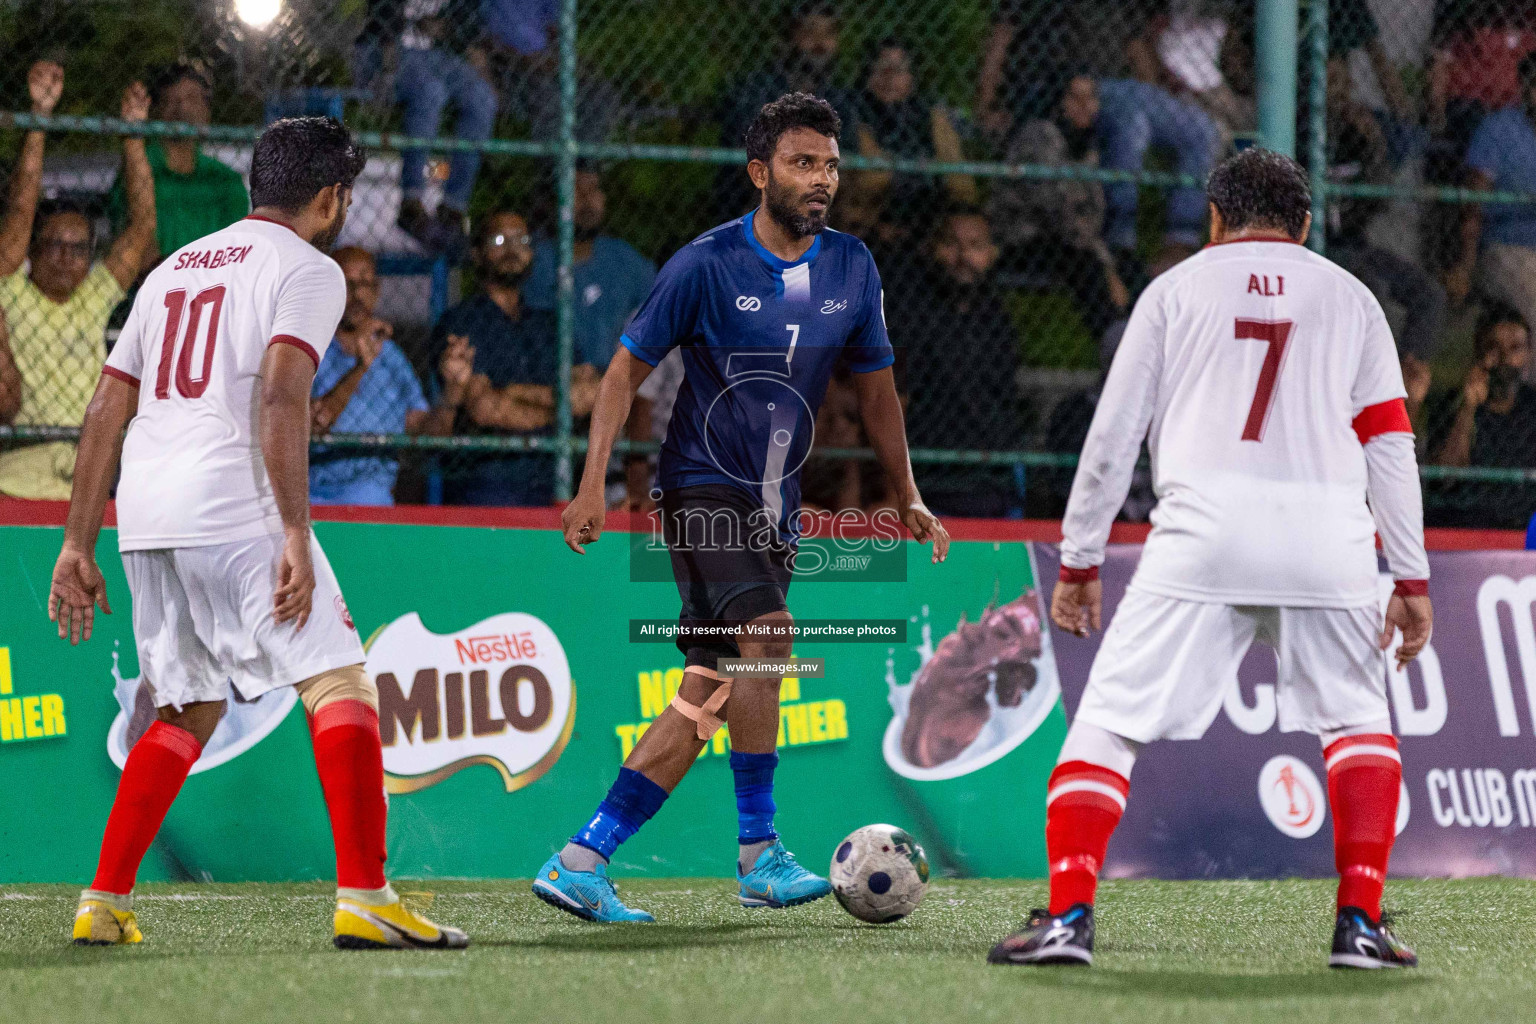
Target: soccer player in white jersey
x,y
1266,384
211,376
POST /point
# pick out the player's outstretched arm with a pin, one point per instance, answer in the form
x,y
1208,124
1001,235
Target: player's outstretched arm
x,y
582,520
78,588
287,373
880,410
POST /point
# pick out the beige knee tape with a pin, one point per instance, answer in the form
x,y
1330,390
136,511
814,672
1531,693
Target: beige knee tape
x,y
347,683
706,716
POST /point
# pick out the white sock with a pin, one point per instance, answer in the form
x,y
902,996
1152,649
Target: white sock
x,y
369,897
1088,742
115,900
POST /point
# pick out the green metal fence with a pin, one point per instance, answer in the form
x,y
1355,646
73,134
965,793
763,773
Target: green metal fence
x,y
957,122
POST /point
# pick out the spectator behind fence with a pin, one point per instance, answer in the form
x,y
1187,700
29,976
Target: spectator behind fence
x,y
1055,228
1475,67
961,362
1502,156
893,118
56,314
440,59
512,390
1186,50
1357,154
366,385
612,278
1031,40
808,64
806,61
195,195
1490,422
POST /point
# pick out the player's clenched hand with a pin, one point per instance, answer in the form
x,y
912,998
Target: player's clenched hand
x,y
1415,616
925,526
582,520
1076,607
76,590
295,580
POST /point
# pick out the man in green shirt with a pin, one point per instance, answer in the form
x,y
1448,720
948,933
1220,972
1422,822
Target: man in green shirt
x,y
195,195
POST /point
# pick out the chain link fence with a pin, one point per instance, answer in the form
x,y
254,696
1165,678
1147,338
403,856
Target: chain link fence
x,y
1020,168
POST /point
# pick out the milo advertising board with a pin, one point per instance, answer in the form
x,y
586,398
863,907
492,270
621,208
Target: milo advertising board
x,y
510,691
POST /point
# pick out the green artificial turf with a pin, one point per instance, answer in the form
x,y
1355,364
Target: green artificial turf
x,y
1167,951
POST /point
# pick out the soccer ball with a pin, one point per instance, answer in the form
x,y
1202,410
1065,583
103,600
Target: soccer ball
x,y
879,874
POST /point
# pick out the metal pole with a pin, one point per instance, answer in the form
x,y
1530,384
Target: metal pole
x,y
1275,23
1317,120
565,299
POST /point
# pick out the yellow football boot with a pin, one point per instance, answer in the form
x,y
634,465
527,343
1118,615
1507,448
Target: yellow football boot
x,y
98,923
390,926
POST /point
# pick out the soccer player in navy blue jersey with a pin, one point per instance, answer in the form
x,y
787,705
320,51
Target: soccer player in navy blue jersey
x,y
763,308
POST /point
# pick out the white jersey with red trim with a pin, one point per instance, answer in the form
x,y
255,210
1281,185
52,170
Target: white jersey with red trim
x,y
1256,371
193,473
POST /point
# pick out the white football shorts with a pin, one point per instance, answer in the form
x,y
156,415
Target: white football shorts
x,y
202,621
1166,665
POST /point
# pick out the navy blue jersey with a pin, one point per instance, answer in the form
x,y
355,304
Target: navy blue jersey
x,y
760,337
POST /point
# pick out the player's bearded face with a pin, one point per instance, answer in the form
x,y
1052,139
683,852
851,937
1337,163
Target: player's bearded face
x,y
801,208
327,238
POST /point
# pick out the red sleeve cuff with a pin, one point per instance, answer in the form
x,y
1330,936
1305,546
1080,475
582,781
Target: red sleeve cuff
x,y
1071,575
298,343
122,375
1382,418
1411,588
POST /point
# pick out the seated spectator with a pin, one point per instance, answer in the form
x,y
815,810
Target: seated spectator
x,y
954,340
612,278
1185,51
1357,154
1055,228
1475,67
893,119
1502,156
1031,40
511,391
1352,28
365,385
1491,422
56,311
440,59
195,195
808,62
1477,46
525,61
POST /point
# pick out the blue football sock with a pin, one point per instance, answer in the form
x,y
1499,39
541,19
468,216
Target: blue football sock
x,y
754,796
630,803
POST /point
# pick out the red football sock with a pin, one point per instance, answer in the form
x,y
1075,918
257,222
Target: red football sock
x,y
152,776
1364,775
1082,807
351,766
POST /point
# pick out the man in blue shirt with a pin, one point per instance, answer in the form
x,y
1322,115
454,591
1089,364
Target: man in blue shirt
x,y
1502,156
612,278
511,392
366,385
762,308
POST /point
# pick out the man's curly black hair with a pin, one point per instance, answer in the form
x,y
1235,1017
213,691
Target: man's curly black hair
x,y
1259,188
297,157
788,112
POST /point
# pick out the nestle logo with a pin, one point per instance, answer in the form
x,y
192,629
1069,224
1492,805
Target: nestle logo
x,y
480,650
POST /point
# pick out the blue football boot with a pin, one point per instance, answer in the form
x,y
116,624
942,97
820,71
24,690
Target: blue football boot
x,y
589,895
777,881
